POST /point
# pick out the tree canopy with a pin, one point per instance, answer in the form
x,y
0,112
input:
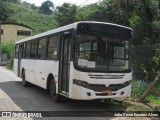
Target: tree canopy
x,y
5,11
47,7
66,14
143,16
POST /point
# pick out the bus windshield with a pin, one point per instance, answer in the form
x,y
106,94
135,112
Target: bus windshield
x,y
102,53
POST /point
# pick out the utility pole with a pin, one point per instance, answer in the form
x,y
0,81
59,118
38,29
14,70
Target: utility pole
x,y
0,46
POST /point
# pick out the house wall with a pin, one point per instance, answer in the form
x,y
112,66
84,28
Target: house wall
x,y
10,32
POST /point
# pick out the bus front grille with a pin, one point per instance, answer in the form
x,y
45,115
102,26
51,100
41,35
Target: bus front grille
x,y
113,87
106,76
101,87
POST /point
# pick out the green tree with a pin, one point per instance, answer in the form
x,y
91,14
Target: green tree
x,y
101,11
104,11
140,15
66,14
144,21
89,12
32,6
47,7
5,11
122,10
13,1
126,5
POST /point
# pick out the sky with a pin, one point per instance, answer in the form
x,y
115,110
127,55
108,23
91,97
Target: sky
x,y
60,2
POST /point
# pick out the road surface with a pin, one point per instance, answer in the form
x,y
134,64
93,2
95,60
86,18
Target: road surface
x,y
15,97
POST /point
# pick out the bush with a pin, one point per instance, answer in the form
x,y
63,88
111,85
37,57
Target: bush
x,y
138,88
8,47
10,64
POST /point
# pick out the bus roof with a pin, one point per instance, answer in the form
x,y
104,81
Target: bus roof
x,y
63,28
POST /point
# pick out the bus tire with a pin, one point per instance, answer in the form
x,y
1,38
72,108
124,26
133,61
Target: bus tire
x,y
24,82
52,89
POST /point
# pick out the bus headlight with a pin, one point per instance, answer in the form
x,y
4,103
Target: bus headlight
x,y
127,83
80,83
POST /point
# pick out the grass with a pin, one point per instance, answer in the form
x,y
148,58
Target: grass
x,y
154,96
137,108
153,99
128,106
139,87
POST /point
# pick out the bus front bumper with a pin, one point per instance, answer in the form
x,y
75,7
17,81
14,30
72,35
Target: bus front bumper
x,y
82,93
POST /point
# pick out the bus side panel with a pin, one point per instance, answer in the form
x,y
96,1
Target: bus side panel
x,y
43,68
25,64
15,66
74,91
37,71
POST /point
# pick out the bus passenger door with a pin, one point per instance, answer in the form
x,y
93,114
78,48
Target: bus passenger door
x,y
64,64
19,59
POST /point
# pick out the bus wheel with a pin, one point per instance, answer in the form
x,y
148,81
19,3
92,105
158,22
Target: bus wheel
x,y
53,93
24,82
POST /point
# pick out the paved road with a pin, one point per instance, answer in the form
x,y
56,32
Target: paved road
x,y
15,97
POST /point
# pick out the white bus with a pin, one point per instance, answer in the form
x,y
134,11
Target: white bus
x,y
85,60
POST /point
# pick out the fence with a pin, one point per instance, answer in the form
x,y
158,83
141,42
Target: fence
x,y
142,61
4,59
142,66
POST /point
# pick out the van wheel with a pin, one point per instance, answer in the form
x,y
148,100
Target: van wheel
x,y
53,94
24,82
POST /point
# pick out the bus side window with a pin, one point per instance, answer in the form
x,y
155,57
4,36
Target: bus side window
x,y
27,50
32,49
35,48
23,53
53,47
16,51
42,48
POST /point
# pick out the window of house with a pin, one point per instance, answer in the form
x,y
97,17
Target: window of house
x,y
1,31
23,33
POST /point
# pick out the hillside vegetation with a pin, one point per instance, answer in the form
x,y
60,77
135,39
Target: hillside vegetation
x,y
143,16
25,15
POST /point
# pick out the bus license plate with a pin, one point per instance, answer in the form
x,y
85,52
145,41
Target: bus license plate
x,y
107,91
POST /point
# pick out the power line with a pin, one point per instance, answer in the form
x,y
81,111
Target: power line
x,y
73,11
94,11
77,10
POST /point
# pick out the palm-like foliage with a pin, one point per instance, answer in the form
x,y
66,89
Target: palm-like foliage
x,y
126,5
